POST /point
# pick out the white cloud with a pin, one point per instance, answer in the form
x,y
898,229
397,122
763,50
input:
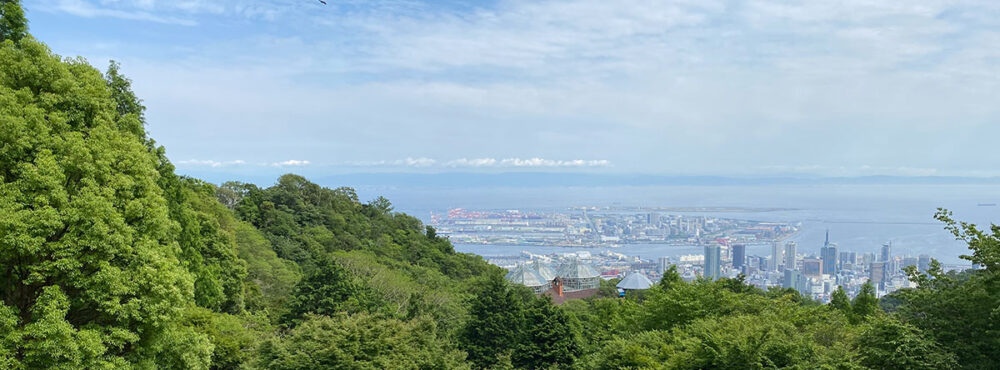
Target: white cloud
x,y
485,163
474,162
695,86
84,8
539,162
291,163
211,163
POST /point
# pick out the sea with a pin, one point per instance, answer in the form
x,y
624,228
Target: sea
x,y
859,217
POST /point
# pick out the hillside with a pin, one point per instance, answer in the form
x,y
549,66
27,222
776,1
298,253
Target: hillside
x,y
112,260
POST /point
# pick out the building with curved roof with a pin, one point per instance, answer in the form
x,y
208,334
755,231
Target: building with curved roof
x,y
544,271
576,275
635,281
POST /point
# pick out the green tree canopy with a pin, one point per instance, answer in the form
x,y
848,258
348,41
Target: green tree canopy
x,y
83,220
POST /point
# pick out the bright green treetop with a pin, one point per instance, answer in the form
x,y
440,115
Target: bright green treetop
x,y
87,248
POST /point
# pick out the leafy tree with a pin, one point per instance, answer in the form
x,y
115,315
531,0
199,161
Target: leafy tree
x,y
127,104
360,341
865,303
13,25
549,337
608,288
740,341
670,278
85,231
271,279
886,343
234,338
840,301
207,250
958,310
328,290
495,325
985,245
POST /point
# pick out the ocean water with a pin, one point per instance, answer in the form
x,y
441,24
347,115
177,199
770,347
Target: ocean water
x,y
860,217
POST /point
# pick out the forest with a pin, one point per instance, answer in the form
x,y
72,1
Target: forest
x,y
111,260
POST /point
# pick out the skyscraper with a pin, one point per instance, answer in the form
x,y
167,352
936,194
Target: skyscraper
x,y
923,262
739,255
775,257
876,274
829,256
663,263
713,254
868,258
847,258
790,250
791,278
886,252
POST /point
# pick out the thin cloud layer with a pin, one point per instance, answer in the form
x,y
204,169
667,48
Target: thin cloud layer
x,y
678,87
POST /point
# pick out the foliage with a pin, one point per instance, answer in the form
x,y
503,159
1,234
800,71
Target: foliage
x,y
13,25
550,339
889,344
865,304
985,245
328,290
87,246
360,341
494,328
109,260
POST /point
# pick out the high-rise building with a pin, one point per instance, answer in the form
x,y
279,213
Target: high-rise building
x,y
739,255
909,261
663,263
829,256
923,263
847,258
790,250
812,267
868,258
886,252
713,254
791,279
775,257
876,274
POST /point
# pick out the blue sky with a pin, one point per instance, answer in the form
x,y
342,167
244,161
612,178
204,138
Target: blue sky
x,y
701,87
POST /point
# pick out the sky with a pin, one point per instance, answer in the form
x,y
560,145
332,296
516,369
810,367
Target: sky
x,y
700,87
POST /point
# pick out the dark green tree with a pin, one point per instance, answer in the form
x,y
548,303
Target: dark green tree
x,y
13,25
865,303
841,302
886,343
360,341
496,322
549,337
330,289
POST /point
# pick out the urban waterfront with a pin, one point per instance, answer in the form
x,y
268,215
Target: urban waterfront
x,y
861,220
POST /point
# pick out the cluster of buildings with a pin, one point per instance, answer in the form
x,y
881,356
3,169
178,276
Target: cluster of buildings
x,y
597,227
573,278
577,275
816,276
